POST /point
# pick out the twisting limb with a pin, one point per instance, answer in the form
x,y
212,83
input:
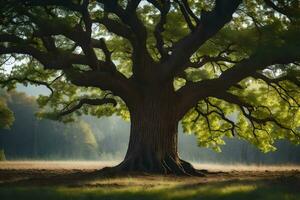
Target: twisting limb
x,y
82,37
5,82
55,58
275,84
210,23
94,102
190,12
223,56
191,93
101,44
290,12
212,109
9,80
116,82
115,27
49,60
6,60
290,78
86,18
159,28
250,108
138,36
224,117
185,14
68,4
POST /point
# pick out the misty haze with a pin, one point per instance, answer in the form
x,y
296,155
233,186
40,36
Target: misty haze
x,y
106,139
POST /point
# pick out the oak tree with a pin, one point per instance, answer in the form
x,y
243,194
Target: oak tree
x,y
220,67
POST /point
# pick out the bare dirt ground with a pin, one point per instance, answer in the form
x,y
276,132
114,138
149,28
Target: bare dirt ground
x,y
84,173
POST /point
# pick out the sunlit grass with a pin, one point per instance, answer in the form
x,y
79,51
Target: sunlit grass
x,y
242,183
251,190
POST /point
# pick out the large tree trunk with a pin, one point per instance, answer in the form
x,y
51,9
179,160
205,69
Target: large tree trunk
x,y
153,137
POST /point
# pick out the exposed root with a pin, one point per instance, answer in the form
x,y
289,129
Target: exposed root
x,y
141,166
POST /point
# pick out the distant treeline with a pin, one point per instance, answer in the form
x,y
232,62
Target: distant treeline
x,y
107,138
31,138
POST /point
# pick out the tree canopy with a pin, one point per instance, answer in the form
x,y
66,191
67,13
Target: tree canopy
x,y
234,65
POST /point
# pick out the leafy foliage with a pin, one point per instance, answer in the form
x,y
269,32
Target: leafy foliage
x,y
241,73
6,115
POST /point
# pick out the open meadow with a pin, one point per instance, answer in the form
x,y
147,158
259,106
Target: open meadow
x,y
79,180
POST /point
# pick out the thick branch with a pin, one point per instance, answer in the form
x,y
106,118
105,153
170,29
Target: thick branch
x,y
25,79
253,119
69,4
101,44
48,27
50,60
186,15
115,82
93,102
159,28
290,12
190,12
209,59
106,80
191,93
268,80
281,91
128,16
116,27
210,23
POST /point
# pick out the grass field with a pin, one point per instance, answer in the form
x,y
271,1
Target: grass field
x,y
76,181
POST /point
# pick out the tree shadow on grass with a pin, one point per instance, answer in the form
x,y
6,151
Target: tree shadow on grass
x,y
285,188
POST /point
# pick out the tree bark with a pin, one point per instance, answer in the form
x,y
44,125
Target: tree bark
x,y
154,136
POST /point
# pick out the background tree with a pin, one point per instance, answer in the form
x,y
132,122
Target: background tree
x,y
225,68
6,116
32,138
6,120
